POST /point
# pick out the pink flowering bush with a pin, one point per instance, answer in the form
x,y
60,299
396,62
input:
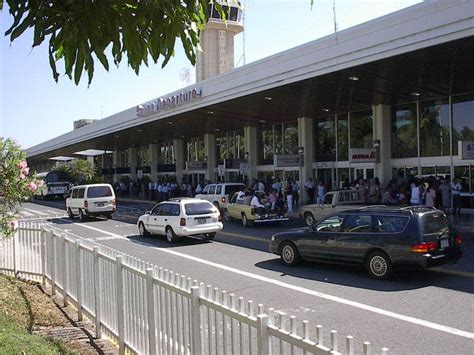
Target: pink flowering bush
x,y
16,184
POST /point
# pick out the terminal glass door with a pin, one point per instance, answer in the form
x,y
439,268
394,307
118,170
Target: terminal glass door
x,y
326,176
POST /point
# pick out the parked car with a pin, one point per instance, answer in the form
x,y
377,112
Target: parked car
x,y
240,209
380,238
91,200
333,201
220,194
181,217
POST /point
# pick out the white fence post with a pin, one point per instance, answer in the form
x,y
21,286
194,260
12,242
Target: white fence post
x,y
64,262
97,292
196,320
120,310
43,256
53,263
78,279
150,301
263,341
14,253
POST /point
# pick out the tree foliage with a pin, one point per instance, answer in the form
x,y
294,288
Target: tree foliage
x,y
81,32
16,183
80,171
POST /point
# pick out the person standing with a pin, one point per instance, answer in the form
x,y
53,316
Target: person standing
x,y
430,196
309,187
445,190
320,194
295,188
415,194
456,189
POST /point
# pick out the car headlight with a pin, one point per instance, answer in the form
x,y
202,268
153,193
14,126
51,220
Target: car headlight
x,y
273,238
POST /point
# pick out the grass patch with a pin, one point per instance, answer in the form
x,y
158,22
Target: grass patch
x,y
24,308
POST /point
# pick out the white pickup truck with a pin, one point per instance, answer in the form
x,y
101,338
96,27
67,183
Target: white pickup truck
x,y
333,201
219,194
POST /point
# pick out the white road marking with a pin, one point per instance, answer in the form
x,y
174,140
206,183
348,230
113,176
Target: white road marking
x,y
26,214
383,312
36,212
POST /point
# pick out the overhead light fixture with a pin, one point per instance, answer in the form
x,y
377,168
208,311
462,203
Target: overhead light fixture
x,y
210,112
325,109
217,130
139,130
117,136
268,98
169,122
154,141
262,121
354,78
415,93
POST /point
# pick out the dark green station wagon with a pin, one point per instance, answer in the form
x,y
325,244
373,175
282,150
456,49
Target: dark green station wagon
x,y
379,237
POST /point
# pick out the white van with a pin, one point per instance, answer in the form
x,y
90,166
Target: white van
x,y
91,200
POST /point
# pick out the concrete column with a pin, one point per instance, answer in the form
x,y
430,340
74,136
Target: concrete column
x,y
250,136
305,140
179,156
115,163
132,158
382,132
210,149
153,148
91,161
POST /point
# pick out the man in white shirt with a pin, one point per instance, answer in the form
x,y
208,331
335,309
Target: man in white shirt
x,y
259,207
456,189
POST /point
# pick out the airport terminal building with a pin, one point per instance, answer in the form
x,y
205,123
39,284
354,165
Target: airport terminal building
x,y
392,97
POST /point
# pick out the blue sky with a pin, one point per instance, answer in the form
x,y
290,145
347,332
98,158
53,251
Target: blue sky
x,y
34,108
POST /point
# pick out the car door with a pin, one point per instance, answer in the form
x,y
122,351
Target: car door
x,y
320,244
356,236
162,218
152,220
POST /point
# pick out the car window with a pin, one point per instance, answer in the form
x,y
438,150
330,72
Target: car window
x,y
434,223
357,224
230,189
80,193
198,208
99,191
156,210
330,224
355,196
165,209
75,193
212,189
390,224
328,199
205,190
219,189
233,198
341,197
174,209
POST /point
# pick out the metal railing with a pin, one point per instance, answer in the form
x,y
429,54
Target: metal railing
x,y
151,310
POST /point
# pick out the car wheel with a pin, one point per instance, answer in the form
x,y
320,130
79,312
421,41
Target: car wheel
x,y
70,214
245,221
209,236
109,216
309,219
170,235
379,266
289,254
142,230
227,216
82,216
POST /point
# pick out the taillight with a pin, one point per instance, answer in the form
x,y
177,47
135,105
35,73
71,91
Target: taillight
x,y
425,247
252,211
182,222
86,204
223,199
457,240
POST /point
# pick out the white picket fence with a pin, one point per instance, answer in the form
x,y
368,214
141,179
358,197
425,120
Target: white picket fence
x,y
150,310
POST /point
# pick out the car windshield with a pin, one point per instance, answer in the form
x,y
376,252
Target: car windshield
x,y
198,208
99,191
434,223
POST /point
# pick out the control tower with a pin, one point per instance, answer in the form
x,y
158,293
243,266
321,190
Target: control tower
x,y
217,40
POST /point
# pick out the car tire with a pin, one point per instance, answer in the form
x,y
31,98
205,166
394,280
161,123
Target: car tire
x,y
209,236
171,236
82,215
142,230
109,216
379,266
289,254
70,214
309,219
227,216
245,221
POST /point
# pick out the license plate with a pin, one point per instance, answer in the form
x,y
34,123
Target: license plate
x,y
100,204
444,243
201,220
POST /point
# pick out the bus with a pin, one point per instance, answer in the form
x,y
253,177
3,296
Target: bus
x,y
56,184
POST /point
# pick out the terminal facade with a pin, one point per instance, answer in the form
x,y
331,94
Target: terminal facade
x,y
393,97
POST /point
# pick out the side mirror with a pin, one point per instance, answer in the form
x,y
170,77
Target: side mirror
x,y
148,212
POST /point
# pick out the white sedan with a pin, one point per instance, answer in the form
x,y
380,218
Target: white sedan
x,y
181,217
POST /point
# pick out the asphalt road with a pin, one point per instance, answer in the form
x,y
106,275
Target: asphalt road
x,y
418,312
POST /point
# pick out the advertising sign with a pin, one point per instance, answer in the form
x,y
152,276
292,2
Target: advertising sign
x,y
466,149
220,170
196,165
244,168
362,155
286,160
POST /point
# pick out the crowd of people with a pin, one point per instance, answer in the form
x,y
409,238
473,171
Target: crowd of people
x,y
285,195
